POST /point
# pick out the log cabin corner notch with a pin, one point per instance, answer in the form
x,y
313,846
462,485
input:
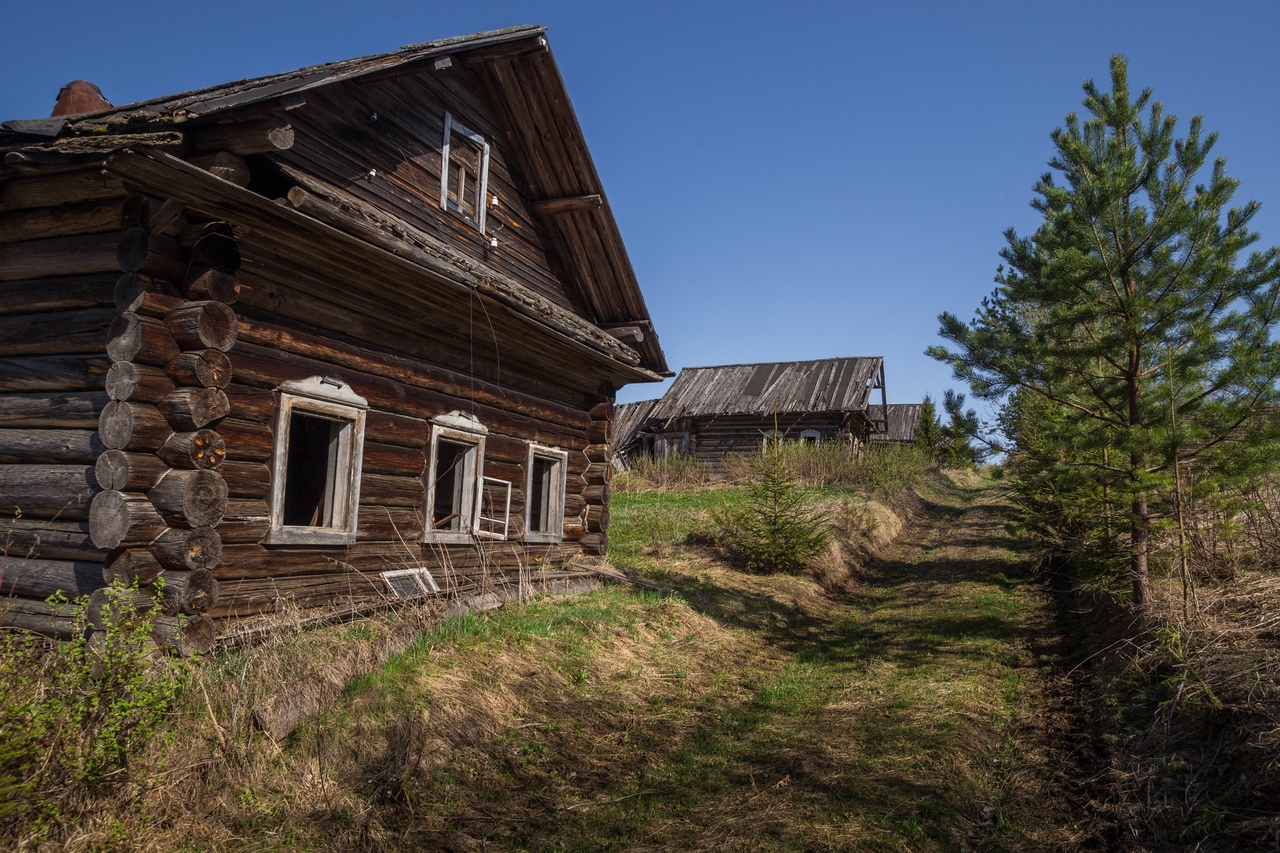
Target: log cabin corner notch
x,y
239,348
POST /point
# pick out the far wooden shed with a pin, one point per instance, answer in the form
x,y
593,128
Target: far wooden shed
x,y
711,412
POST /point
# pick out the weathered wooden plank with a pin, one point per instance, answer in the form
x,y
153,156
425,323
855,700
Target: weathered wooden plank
x,y
83,185
62,446
63,221
83,331
79,254
54,373
40,579
56,294
30,538
61,410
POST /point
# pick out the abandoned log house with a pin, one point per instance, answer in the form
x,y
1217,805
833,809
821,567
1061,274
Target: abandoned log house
x,y
901,422
711,412
324,337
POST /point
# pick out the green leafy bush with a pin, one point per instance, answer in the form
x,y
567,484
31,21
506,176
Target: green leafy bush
x,y
74,714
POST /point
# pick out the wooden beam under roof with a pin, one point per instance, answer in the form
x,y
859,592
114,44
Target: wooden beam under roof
x,y
570,204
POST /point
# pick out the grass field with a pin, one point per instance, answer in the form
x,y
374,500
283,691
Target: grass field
x,y
744,712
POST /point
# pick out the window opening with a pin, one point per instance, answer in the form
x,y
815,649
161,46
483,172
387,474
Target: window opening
x,y
454,478
316,475
464,172
811,436
544,494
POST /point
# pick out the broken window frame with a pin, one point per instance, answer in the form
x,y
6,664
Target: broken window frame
x,y
456,428
469,139
422,580
504,521
553,493
330,400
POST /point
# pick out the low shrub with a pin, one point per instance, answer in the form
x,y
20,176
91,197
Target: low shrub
x,y
776,528
73,714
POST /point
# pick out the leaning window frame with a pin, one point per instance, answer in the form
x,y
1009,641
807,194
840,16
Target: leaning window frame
x,y
329,399
555,511
453,126
459,428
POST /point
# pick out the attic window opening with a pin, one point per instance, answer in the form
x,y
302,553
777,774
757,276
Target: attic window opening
x,y
464,173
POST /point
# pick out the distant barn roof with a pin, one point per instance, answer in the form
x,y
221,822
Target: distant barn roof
x,y
786,387
904,419
628,418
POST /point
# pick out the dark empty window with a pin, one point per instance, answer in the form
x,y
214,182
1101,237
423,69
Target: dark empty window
x,y
315,476
544,494
311,474
455,471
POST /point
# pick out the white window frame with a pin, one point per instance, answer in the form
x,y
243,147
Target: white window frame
x,y
500,526
420,579
459,428
453,127
811,434
555,494
330,399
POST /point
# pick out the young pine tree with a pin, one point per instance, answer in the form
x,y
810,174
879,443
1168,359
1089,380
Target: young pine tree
x,y
1131,311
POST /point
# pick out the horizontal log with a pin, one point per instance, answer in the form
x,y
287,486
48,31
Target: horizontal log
x,y
54,373
140,251
598,474
393,459
167,219
80,254
574,505
40,579
246,479
128,472
462,389
595,544
190,498
597,452
400,430
57,294
63,221
598,495
384,490
127,566
143,294
210,245
568,204
211,283
602,411
244,521
393,525
186,592
137,209
120,518
203,325
206,368
133,426
598,432
199,548
247,441
69,410
83,185
243,138
224,165
203,448
189,409
252,404
133,337
30,538
36,446
183,635
37,616
56,332
597,519
141,383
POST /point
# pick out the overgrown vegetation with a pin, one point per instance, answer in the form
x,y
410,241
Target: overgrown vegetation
x,y
75,717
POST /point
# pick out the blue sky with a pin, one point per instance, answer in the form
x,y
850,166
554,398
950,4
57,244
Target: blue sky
x,y
793,181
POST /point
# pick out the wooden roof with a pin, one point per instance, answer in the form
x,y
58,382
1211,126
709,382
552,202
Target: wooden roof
x,y
903,420
525,85
787,387
629,419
